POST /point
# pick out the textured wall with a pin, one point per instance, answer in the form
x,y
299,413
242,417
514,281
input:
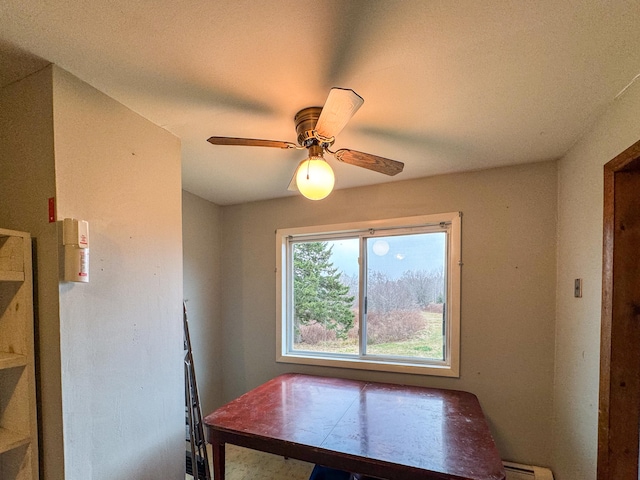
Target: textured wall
x,y
27,181
580,193
508,290
121,334
202,292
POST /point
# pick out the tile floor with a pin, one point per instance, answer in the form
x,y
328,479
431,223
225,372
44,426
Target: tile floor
x,y
245,464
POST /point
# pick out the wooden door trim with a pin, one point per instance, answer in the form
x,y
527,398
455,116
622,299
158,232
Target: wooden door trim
x,y
614,427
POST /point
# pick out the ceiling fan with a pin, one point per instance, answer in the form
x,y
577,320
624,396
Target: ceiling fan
x,y
317,128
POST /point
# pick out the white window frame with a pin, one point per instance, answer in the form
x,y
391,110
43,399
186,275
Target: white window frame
x,y
450,222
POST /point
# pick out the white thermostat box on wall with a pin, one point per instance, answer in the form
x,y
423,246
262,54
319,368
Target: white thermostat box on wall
x,y
75,238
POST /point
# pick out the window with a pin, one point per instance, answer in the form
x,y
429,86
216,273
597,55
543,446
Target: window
x,y
380,295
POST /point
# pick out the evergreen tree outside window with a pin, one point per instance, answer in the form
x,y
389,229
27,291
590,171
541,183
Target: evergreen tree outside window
x,y
319,295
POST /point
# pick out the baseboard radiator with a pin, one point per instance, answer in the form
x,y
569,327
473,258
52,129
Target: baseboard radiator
x,y
517,471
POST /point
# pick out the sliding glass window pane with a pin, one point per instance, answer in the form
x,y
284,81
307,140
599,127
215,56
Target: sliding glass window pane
x,y
325,296
405,295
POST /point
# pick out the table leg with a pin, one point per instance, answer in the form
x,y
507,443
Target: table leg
x,y
218,460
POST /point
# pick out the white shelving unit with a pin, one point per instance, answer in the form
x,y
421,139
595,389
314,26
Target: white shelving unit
x,y
18,421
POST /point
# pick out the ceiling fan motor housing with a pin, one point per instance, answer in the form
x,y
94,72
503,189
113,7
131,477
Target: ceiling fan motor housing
x,y
306,120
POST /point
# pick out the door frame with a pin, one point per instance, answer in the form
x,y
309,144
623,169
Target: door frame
x,y
619,404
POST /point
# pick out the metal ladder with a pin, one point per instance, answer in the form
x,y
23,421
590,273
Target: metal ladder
x,y
197,459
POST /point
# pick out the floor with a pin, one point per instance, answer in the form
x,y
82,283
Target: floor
x,y
245,464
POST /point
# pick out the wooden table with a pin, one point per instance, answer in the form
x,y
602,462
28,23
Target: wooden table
x,y
383,430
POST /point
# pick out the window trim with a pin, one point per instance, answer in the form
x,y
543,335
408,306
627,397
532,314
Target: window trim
x,y
450,367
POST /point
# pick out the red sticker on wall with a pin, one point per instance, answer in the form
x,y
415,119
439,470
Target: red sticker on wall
x,y
52,209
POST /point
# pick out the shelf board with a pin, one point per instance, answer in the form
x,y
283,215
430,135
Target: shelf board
x,y
10,360
11,276
10,440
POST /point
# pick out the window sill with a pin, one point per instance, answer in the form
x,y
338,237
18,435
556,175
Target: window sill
x,y
374,365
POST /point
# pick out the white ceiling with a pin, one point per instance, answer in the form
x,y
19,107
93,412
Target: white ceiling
x,y
448,85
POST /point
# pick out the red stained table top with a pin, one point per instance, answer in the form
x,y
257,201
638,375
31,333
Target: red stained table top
x,y
391,431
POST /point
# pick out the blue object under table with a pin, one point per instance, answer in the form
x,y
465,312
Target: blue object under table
x,y
325,473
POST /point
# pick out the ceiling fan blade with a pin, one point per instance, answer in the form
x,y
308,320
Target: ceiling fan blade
x,y
341,105
250,142
372,162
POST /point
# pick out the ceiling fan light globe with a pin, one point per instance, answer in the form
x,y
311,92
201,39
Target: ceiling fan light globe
x,y
315,178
